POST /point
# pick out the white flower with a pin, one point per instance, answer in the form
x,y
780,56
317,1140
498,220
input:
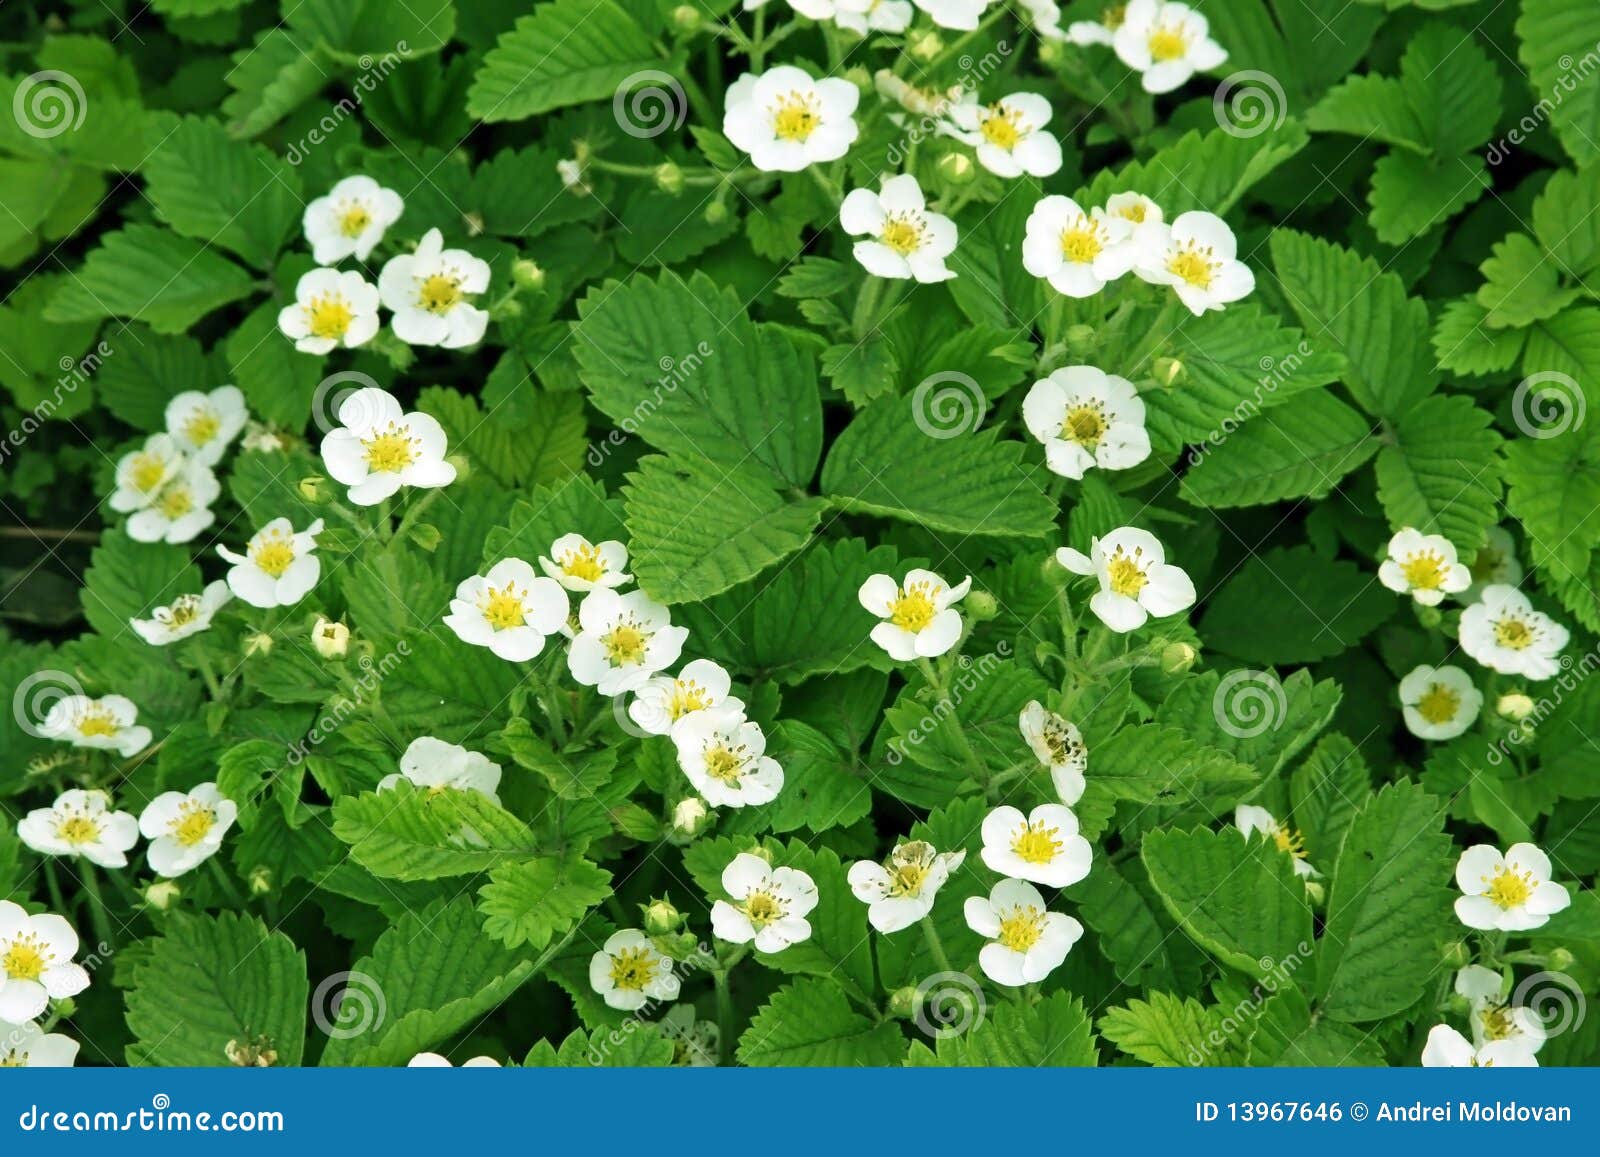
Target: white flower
x,y
1009,134
186,615
624,640
1076,252
629,971
263,439
1505,634
581,565
1045,16
142,473
1135,579
429,292
1166,43
35,963
1495,562
1059,746
1448,1049
331,640
204,425
900,891
864,16
1423,566
378,448
724,755
435,766
435,1061
511,610
26,1046
81,823
1134,208
185,829
1258,821
919,616
1043,846
571,173
1439,702
695,1043
785,120
1102,31
106,724
962,15
1492,1018
1027,943
1510,893
279,565
1198,257
330,309
181,510
904,240
350,220
665,700
1086,418
768,905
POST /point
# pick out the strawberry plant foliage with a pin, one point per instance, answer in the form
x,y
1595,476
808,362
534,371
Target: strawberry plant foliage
x,y
600,532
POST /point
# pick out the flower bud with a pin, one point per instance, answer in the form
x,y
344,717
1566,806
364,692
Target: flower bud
x,y
260,881
330,639
1559,960
315,489
1514,705
669,178
1168,372
1316,893
690,816
1050,52
1456,954
716,213
1176,658
162,894
903,1002
526,273
957,169
686,18
1080,337
660,917
1429,617
257,644
980,606
462,464
925,45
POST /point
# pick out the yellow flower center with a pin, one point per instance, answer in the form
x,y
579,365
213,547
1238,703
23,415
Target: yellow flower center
x,y
175,502
329,317
907,879
584,562
1003,127
503,607
1510,889
762,908
97,721
148,471
273,554
1194,265
1125,575
26,959
1036,844
1133,211
1424,570
913,609
1167,43
796,117
1289,841
633,968
390,451
1085,424
1080,243
354,219
184,610
1438,703
1021,928
687,696
725,763
194,823
903,233
13,1059
1497,1023
78,829
1514,633
439,293
202,426
625,644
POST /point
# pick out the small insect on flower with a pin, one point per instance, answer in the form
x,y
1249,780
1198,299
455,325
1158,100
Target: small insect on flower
x,y
623,640
1085,418
205,424
901,890
630,972
279,565
1135,579
581,565
1166,43
1043,846
430,291
766,905
436,767
331,309
919,616
186,615
1009,135
182,508
350,220
961,15
81,823
1026,942
786,120
1448,1049
1504,633
1101,31
1198,257
142,473
1253,821
35,963
904,240
1077,252
378,448
724,756
1058,745
1486,991
435,1061
511,610
1423,566
1510,893
185,829
1439,702
666,700
107,724
27,1046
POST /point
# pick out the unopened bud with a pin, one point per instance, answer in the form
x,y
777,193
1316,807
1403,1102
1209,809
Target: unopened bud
x,y
1429,617
1456,954
1559,960
526,273
669,178
1167,371
330,639
1316,893
257,644
315,489
162,894
686,18
1514,705
903,1002
660,917
716,213
689,817
1080,337
260,881
981,606
1176,658
1050,52
926,45
957,168
463,466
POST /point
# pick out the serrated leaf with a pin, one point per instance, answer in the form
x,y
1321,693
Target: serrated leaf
x,y
152,275
407,833
1054,1032
1442,472
1168,1032
576,506
1465,343
1299,451
1325,792
1551,35
1209,172
810,1022
534,901
357,30
128,579
1522,284
1289,606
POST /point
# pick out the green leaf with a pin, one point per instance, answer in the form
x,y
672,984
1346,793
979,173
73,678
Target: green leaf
x,y
1131,927
145,370
536,437
1325,792
810,1022
1168,1032
406,833
1552,486
1257,718
151,275
1290,605
1566,214
128,579
576,506
279,382
1465,343
356,30
1298,451
1552,34
1210,172
1147,763
1286,1033
1412,194
270,79
209,982
534,901
1442,472
1054,1032
1522,284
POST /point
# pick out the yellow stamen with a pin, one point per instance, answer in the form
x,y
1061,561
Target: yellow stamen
x,y
1003,127
194,823
1167,43
1510,889
625,644
633,968
1438,704
175,502
1194,265
1081,242
354,219
903,233
390,451
439,293
1424,570
1125,573
796,117
1290,841
913,609
148,471
1036,844
273,554
763,908
202,426
1086,424
78,829
97,721
503,607
724,763
584,562
26,959
687,697
1515,634
329,317
1021,928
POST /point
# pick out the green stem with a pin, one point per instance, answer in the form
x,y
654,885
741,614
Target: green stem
x,y
99,914
414,511
58,902
758,40
962,41
1159,331
203,665
725,1015
935,945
